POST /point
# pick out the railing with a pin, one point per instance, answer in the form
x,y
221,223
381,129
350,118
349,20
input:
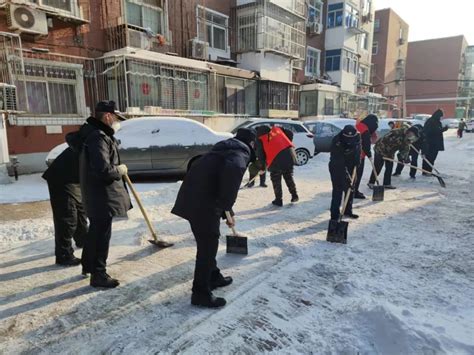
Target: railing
x,y
297,7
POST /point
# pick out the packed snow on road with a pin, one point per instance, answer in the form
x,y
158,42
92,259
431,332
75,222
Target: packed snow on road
x,y
403,284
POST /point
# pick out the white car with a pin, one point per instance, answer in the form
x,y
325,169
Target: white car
x,y
470,125
160,145
302,137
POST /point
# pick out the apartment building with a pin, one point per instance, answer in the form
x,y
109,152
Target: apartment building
x,y
389,55
203,59
342,88
466,104
434,72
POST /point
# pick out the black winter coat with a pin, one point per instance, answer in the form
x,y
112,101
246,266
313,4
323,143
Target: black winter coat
x,y
342,160
433,133
103,189
65,171
211,186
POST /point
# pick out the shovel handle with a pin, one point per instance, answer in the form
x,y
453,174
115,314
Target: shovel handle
x,y
142,209
375,171
348,193
229,218
426,160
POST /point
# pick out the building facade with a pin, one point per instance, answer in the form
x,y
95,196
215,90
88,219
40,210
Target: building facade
x,y
211,60
343,85
466,105
389,56
435,72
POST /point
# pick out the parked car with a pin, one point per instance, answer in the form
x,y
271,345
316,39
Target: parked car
x,y
325,130
470,125
160,145
384,128
302,137
450,122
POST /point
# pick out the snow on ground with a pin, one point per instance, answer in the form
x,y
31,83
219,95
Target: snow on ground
x,y
402,285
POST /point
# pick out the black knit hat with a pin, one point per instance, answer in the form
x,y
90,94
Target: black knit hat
x,y
349,135
246,135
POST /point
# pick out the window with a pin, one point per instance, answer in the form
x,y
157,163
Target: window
x,y
366,7
329,106
64,5
377,25
247,35
212,28
146,14
52,88
363,77
364,41
375,48
350,62
352,17
333,60
278,96
313,56
315,10
335,15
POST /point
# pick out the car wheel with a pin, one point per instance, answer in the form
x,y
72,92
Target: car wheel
x,y
302,157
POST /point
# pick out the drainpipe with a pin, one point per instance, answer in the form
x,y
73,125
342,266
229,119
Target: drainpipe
x,y
4,157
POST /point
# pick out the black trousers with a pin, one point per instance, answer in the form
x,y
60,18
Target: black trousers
x,y
360,173
96,246
70,221
413,161
339,189
431,156
206,233
379,162
275,176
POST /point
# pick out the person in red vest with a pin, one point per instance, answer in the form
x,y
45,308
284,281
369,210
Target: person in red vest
x,y
280,159
367,129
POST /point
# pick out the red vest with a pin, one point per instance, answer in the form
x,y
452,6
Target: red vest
x,y
273,143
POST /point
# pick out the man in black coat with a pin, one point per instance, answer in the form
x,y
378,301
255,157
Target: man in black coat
x,y
434,140
259,165
103,188
210,189
70,222
345,156
413,154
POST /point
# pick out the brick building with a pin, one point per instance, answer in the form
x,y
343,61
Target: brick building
x,y
389,55
434,68
153,57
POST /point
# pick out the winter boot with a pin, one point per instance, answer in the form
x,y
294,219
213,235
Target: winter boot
x,y
221,281
389,187
351,215
102,279
277,202
359,195
294,198
207,300
68,261
396,174
262,184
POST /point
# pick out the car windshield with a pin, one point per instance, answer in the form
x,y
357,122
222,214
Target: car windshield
x,y
243,124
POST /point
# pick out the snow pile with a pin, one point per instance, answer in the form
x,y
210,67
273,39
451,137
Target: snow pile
x,y
402,285
28,188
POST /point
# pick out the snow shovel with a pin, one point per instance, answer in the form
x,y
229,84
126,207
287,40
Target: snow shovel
x,y
261,172
155,241
337,230
426,160
236,244
378,191
440,179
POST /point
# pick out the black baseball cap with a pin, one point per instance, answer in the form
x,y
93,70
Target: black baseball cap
x,y
109,106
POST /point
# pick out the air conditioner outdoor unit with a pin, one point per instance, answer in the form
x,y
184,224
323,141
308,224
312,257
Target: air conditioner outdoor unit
x,y
401,41
316,28
27,20
8,98
198,49
138,39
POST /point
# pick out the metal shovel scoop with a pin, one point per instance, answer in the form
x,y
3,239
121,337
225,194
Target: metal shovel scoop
x,y
378,193
236,244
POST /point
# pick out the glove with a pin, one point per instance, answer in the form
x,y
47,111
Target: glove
x,y
122,169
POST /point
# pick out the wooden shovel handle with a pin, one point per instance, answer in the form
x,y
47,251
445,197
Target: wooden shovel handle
x,y
375,171
137,198
348,193
426,160
229,218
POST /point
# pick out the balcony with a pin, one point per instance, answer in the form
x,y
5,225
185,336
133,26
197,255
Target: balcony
x,y
269,34
297,7
69,10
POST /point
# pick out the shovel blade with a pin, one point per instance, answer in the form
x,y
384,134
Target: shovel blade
x,y
378,193
237,244
161,243
337,232
441,181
